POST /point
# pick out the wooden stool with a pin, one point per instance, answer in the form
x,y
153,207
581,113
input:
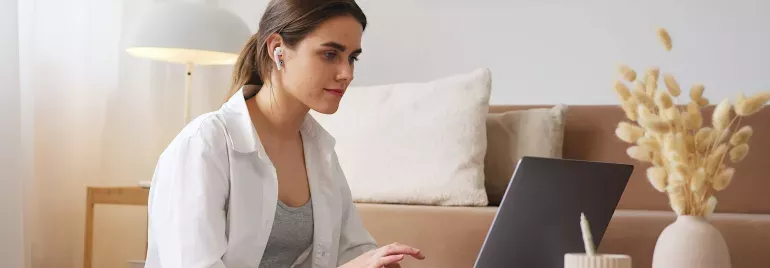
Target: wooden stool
x,y
109,195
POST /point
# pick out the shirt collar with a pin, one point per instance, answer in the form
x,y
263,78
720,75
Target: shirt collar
x,y
244,136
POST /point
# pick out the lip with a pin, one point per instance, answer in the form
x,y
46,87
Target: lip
x,y
335,91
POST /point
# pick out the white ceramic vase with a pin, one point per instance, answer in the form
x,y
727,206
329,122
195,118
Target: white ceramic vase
x,y
691,242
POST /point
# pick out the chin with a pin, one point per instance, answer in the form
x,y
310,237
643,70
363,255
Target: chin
x,y
327,108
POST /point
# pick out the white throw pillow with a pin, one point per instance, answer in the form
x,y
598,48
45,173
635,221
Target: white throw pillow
x,y
415,143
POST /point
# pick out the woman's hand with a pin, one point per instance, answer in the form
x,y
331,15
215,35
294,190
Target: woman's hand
x,y
387,256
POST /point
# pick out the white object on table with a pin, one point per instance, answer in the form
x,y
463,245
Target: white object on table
x,y
582,260
588,239
590,259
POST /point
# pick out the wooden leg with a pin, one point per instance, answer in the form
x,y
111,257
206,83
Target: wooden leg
x,y
89,233
146,238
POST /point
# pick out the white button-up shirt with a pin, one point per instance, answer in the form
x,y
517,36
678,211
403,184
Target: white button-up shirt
x,y
214,193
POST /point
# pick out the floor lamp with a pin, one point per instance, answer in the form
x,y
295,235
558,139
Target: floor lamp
x,y
188,33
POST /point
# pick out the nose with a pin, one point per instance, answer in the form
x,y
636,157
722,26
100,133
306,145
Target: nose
x,y
345,73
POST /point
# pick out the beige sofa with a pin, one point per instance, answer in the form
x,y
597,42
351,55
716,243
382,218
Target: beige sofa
x,y
452,236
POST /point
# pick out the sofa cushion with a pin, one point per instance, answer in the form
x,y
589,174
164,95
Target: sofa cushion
x,y
514,134
415,143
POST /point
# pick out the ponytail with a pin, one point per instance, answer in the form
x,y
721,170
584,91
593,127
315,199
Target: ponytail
x,y
246,70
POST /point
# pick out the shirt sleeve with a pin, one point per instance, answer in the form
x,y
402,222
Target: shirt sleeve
x,y
187,205
354,238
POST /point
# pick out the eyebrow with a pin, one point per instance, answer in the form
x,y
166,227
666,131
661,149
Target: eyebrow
x,y
340,47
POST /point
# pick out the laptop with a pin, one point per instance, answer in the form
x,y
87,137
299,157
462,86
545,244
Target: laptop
x,y
538,220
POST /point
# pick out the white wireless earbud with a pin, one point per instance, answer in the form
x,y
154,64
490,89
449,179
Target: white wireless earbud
x,y
276,54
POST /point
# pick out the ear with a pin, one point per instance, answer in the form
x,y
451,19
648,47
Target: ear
x,y
273,41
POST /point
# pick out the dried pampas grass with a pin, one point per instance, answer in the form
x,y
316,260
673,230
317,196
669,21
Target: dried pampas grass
x,y
696,92
704,138
688,159
622,90
643,98
673,116
723,179
746,107
722,115
694,119
663,100
651,80
672,85
628,132
630,107
715,158
639,153
739,152
649,143
652,73
657,177
699,180
627,73
665,38
741,136
703,102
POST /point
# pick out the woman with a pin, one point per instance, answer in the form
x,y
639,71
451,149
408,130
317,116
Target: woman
x,y
257,182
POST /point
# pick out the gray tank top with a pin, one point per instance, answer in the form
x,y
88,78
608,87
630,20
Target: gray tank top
x,y
291,235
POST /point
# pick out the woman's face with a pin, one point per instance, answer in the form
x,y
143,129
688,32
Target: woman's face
x,y
319,69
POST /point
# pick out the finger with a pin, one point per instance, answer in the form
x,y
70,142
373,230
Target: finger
x,y
388,260
396,248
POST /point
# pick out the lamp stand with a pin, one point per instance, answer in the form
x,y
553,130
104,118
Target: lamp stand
x,y
187,92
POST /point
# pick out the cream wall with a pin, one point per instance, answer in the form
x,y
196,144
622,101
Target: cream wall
x,y
565,50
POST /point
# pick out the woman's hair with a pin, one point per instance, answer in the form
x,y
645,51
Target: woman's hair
x,y
292,20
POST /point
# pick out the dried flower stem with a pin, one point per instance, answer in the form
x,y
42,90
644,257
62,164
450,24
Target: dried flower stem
x,y
709,183
724,134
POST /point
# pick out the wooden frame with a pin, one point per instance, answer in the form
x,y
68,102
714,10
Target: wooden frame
x,y
136,196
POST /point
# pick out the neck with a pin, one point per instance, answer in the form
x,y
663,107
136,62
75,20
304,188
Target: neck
x,y
276,113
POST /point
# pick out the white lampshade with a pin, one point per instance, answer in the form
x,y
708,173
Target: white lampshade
x,y
189,33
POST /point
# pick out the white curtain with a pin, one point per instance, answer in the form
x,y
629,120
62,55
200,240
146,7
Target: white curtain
x,y
13,153
101,117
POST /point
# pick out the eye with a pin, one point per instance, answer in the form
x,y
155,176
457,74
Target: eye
x,y
330,55
353,59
